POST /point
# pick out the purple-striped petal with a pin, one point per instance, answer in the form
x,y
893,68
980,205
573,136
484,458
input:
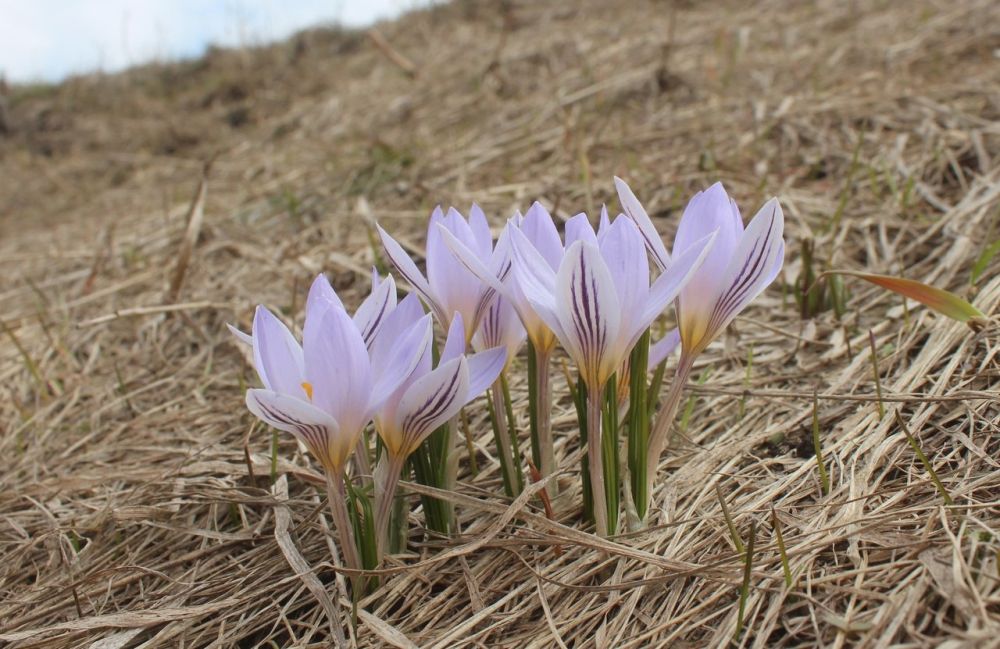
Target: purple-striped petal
x,y
375,309
276,354
432,400
754,265
589,312
500,327
318,430
634,210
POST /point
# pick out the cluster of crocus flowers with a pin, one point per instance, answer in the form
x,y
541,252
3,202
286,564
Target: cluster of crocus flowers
x,y
590,291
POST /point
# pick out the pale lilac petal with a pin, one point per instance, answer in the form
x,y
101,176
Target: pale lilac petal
x,y
484,368
578,228
432,400
406,314
473,263
661,349
603,224
404,355
634,210
670,283
338,369
589,312
454,286
539,228
321,297
624,252
754,265
276,354
409,271
508,291
375,308
536,280
454,343
318,430
244,338
480,230
500,327
709,211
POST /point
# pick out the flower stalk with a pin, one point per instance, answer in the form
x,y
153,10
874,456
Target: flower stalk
x,y
659,435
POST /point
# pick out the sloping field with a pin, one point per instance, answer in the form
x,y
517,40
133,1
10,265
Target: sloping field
x,y
136,500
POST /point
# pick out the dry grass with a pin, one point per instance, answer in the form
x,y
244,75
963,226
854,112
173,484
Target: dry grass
x,y
137,508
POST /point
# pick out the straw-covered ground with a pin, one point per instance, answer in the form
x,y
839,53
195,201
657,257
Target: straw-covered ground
x,y
137,505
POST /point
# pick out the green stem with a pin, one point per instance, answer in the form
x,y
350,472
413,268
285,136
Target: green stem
x,y
498,417
638,425
512,431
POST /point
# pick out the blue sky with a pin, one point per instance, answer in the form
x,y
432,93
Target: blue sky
x,y
45,40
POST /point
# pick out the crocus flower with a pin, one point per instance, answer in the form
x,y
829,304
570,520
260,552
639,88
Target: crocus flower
x,y
449,287
741,264
426,399
368,319
598,303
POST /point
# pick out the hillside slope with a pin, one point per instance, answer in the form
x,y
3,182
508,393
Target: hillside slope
x,y
136,504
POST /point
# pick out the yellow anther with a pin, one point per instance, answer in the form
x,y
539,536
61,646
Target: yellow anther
x,y
308,387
